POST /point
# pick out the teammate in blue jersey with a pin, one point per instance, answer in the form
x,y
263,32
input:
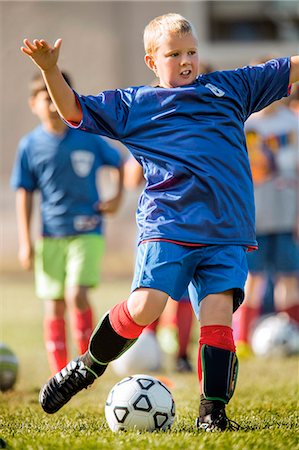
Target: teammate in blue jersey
x,y
63,165
196,213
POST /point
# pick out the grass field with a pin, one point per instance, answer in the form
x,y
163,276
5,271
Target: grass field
x,y
265,403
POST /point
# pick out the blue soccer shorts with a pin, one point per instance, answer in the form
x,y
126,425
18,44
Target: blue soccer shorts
x,y
204,270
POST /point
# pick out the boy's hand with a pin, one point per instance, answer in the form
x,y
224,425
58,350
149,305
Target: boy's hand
x,y
44,56
26,256
109,206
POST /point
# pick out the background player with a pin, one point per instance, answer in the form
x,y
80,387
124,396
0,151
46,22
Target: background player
x,y
62,164
272,141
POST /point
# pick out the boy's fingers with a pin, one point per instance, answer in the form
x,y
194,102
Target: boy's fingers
x,y
26,51
38,44
29,45
58,43
44,43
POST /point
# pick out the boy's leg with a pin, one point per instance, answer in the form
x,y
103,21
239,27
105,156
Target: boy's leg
x,y
286,290
115,333
184,320
49,284
83,259
250,309
124,323
81,316
286,296
217,361
55,334
159,273
259,263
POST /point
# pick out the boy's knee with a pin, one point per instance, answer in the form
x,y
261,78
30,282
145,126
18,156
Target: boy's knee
x,y
146,305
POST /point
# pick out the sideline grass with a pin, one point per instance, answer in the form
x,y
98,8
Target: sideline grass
x,y
265,402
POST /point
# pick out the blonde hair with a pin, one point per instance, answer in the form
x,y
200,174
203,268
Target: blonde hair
x,y
161,25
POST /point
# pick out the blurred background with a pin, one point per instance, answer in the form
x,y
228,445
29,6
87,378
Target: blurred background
x,y
102,49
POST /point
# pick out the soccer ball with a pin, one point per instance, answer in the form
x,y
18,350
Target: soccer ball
x,y
275,335
144,356
140,402
8,368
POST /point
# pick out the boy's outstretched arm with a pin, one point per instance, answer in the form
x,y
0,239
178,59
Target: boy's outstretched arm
x,y
46,57
294,74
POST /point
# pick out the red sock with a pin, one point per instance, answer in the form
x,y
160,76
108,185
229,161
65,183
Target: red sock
x,y
293,312
122,322
247,318
82,328
55,341
219,336
184,319
152,326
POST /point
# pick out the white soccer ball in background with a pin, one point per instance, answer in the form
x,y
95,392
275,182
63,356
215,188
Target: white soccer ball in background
x,y
275,335
140,402
8,368
144,356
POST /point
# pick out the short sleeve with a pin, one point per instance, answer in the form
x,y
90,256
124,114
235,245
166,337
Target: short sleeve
x,y
263,84
22,175
105,114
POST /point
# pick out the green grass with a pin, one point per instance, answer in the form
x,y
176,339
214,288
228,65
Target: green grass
x,y
265,402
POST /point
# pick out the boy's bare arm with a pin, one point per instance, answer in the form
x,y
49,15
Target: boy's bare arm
x,y
24,202
294,74
46,57
133,176
112,205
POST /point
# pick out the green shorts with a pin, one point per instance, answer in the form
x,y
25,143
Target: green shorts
x,y
66,262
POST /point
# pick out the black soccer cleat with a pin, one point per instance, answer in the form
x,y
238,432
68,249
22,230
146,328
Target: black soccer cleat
x,y
64,385
213,417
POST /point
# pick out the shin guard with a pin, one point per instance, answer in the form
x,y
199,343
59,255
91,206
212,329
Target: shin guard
x,y
105,344
220,371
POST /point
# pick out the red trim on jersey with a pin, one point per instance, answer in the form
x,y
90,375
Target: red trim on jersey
x,y
250,248
188,244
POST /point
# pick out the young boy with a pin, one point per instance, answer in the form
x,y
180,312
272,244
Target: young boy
x,y
196,214
63,165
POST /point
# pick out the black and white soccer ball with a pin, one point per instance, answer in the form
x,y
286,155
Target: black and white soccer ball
x,y
140,402
9,367
275,335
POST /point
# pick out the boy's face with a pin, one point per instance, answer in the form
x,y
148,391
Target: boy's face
x,y
176,61
42,106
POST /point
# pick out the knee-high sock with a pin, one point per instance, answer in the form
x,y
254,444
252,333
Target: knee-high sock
x,y
219,336
247,317
82,322
184,318
122,322
55,341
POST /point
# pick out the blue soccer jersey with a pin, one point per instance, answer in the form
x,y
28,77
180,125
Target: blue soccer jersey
x,y
63,168
191,144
